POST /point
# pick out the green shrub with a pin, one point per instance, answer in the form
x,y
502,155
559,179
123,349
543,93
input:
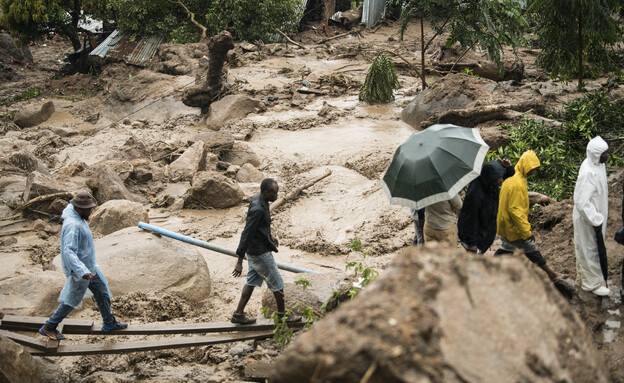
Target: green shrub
x,y
381,80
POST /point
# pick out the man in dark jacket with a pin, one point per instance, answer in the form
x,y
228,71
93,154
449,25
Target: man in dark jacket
x,y
257,243
477,218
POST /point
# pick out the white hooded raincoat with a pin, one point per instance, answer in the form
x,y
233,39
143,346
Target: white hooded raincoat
x,y
590,210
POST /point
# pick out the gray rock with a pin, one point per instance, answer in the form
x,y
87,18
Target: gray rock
x,y
426,104
12,189
233,107
248,173
32,293
16,364
211,189
8,47
34,115
216,142
193,160
24,160
165,264
240,349
115,215
108,185
38,184
240,154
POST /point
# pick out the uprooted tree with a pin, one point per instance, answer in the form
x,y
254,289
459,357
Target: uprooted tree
x,y
490,24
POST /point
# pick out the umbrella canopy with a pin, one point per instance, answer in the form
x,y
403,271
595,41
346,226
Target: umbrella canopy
x,y
434,165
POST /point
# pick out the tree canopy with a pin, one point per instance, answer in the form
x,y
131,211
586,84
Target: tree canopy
x,y
575,35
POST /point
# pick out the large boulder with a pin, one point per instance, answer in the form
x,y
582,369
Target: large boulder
x,y
193,160
31,293
240,154
453,92
232,107
216,142
212,189
107,185
134,260
12,189
16,364
441,315
35,115
8,47
117,214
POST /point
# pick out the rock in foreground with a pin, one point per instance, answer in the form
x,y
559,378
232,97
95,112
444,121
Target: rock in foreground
x,y
439,315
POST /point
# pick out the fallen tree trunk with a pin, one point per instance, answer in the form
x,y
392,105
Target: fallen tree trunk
x,y
473,116
539,198
295,193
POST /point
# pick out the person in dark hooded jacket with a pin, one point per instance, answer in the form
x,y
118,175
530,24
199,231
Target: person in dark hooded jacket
x,y
477,219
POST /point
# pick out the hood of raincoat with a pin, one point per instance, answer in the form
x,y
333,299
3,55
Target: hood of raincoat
x,y
69,212
595,148
527,162
491,171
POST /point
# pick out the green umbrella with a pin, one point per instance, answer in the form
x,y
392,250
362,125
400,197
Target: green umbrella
x,y
434,165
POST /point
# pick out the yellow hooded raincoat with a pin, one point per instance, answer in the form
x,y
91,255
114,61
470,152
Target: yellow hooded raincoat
x,y
512,221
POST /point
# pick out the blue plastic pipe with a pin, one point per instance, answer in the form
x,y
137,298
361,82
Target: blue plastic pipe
x,y
217,248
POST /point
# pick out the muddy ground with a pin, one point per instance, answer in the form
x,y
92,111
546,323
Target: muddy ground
x,y
295,142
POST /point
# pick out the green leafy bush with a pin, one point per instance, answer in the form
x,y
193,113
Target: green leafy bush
x,y
561,150
381,80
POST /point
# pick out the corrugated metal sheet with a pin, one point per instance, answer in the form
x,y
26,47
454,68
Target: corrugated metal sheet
x,y
119,46
373,10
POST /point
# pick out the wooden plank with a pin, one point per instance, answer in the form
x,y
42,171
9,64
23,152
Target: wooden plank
x,y
25,340
150,345
80,326
28,323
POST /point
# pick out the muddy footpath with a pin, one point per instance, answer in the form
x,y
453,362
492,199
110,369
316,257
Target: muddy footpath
x,y
292,114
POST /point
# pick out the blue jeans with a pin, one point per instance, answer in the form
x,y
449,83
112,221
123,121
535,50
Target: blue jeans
x,y
262,268
98,289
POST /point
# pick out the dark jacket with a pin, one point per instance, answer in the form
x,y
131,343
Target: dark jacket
x,y
256,237
477,219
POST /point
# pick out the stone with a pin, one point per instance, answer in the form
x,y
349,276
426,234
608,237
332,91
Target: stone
x,y
16,364
248,173
232,107
115,215
35,115
193,160
211,189
321,289
57,206
134,260
440,314
12,189
32,292
232,170
38,184
24,160
108,185
216,142
240,154
8,47
240,349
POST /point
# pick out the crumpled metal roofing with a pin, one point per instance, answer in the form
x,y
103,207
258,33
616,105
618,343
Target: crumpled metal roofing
x,y
373,10
118,45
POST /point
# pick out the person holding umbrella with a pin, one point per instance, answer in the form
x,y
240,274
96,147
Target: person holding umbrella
x,y
590,218
512,220
440,221
477,219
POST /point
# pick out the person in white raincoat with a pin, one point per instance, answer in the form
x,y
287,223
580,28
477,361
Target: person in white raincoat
x,y
590,215
80,268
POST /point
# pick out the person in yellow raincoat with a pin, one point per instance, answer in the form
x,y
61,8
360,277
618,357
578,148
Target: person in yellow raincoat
x,y
512,221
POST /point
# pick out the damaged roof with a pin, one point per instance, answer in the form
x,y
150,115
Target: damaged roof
x,y
119,45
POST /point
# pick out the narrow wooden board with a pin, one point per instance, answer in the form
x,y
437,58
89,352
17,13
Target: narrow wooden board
x,y
25,340
79,326
149,345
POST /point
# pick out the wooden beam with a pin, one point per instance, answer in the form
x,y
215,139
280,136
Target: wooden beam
x,y
81,326
25,340
150,345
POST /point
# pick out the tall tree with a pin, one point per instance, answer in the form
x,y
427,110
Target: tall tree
x,y
492,24
28,20
576,35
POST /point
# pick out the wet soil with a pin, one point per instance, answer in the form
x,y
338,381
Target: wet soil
x,y
97,115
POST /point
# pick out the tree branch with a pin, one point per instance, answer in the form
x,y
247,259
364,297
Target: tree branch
x,y
191,16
